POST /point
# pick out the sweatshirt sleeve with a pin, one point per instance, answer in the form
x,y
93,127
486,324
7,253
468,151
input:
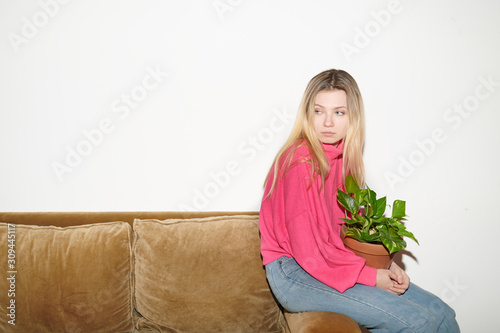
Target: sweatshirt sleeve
x,y
312,238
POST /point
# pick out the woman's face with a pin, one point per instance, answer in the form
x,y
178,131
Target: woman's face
x,y
330,119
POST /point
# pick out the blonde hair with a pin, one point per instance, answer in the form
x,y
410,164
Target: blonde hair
x,y
303,131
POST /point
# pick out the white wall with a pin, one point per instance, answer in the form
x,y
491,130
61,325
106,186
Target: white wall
x,y
212,89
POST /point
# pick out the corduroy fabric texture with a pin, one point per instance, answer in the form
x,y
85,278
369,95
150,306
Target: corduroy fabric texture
x,y
74,279
320,321
202,275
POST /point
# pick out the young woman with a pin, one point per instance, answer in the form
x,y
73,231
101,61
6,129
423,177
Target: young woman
x,y
307,265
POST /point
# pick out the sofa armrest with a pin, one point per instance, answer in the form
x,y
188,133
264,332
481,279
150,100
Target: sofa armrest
x,y
320,321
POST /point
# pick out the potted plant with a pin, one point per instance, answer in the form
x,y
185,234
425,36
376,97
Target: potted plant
x,y
367,231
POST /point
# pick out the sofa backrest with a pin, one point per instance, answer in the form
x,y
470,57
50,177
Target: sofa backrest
x,y
66,219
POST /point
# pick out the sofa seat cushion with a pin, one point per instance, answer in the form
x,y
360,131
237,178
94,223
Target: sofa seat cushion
x,y
321,321
73,279
202,275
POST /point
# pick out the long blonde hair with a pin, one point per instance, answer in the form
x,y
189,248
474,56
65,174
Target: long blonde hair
x,y
303,130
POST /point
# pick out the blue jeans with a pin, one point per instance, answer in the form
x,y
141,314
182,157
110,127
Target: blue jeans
x,y
376,309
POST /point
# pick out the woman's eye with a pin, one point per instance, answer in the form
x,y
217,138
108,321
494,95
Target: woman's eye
x,y
340,113
317,111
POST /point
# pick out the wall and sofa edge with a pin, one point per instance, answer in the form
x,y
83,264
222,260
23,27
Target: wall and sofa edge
x,y
141,272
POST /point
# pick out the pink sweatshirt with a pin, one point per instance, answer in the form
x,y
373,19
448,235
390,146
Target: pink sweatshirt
x,y
301,222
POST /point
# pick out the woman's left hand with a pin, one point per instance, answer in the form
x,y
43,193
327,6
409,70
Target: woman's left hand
x,y
400,278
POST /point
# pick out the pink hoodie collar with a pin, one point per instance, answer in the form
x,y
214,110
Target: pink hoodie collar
x,y
333,152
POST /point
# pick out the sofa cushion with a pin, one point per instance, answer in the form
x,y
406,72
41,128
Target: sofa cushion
x,y
202,275
73,279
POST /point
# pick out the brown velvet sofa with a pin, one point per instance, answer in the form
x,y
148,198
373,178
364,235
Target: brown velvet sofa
x,y
141,272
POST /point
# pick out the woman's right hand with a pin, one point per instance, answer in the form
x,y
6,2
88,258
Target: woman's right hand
x,y
386,280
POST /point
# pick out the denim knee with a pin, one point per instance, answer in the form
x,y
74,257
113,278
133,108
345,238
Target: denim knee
x,y
422,321
440,317
445,316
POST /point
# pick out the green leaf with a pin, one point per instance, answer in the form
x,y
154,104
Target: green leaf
x,y
394,222
372,238
347,202
349,222
362,197
354,233
364,223
408,234
379,208
372,196
383,230
398,209
394,244
350,185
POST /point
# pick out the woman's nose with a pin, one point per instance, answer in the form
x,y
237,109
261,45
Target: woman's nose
x,y
328,121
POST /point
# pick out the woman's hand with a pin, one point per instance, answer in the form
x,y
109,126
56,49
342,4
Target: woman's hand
x,y
393,279
401,280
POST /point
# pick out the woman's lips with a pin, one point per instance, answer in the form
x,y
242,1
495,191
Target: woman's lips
x,y
328,133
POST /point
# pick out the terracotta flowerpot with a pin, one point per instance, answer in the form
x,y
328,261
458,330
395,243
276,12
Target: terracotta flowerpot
x,y
376,255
